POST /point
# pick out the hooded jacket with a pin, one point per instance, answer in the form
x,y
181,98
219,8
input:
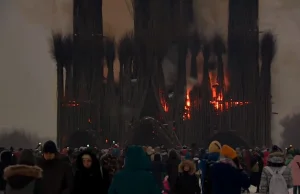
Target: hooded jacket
x,y
172,167
187,182
6,159
295,168
88,181
157,169
275,162
23,178
135,178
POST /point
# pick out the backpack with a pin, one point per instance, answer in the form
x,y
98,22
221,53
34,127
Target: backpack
x,y
277,183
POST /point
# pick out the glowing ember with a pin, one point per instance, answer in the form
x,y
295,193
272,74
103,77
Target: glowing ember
x,y
163,101
221,105
71,104
187,107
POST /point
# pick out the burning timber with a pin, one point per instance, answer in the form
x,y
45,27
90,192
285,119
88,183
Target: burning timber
x,y
192,89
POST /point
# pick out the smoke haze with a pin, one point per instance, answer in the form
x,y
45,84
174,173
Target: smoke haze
x,y
28,78
282,18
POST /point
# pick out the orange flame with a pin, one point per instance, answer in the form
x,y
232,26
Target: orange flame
x,y
221,105
187,107
163,101
218,101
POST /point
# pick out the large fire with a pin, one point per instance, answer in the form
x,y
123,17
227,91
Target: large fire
x,y
221,105
218,101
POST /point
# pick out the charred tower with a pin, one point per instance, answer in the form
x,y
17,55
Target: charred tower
x,y
243,64
84,76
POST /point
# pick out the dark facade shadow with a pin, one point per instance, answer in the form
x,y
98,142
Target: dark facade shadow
x,y
80,138
230,139
150,132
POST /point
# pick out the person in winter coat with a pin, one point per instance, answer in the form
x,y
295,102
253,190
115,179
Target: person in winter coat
x,y
87,178
210,158
24,177
166,185
6,159
109,166
158,169
172,167
290,155
266,157
227,176
135,177
187,182
256,168
295,168
276,161
57,174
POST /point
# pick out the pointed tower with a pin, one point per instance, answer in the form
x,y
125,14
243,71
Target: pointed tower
x,y
243,65
86,70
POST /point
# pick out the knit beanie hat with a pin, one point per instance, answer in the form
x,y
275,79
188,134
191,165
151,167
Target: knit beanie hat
x,y
228,152
50,147
214,146
27,158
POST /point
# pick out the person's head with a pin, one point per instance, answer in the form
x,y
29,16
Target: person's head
x,y
228,152
6,157
87,161
186,168
276,159
27,158
49,150
214,147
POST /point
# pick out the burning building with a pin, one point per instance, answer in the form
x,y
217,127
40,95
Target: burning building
x,y
216,84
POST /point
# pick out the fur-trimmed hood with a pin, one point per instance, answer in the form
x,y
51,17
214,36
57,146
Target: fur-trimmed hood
x,y
276,158
189,163
18,176
22,170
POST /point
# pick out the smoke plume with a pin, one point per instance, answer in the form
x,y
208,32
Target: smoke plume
x,y
282,18
56,15
276,16
211,18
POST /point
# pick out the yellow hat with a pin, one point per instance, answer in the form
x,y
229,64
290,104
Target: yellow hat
x,y
214,146
228,152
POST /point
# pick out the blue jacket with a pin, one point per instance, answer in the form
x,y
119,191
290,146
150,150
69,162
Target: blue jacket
x,y
213,157
136,177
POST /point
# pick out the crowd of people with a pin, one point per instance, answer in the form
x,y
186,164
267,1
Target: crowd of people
x,y
220,169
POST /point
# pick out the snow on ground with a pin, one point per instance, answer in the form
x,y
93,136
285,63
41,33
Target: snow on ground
x,y
253,190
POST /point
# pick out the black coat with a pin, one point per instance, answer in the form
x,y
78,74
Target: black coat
x,y
57,176
187,184
88,181
158,169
